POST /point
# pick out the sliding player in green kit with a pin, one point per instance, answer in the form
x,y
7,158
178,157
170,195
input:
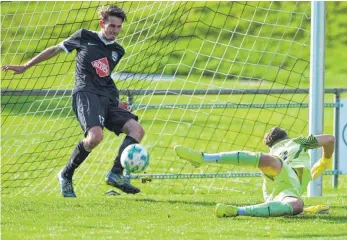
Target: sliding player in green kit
x,y
286,171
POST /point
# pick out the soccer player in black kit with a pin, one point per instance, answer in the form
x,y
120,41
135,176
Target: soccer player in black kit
x,y
95,96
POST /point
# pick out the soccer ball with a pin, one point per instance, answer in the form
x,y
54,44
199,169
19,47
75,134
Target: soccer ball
x,y
134,158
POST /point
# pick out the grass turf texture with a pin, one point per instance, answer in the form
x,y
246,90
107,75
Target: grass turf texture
x,y
160,217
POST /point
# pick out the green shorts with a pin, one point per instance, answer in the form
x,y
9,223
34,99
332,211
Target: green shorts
x,y
285,184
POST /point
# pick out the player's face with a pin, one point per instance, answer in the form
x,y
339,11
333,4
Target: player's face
x,y
111,28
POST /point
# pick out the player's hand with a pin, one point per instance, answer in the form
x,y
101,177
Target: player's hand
x,y
320,166
124,106
318,209
16,69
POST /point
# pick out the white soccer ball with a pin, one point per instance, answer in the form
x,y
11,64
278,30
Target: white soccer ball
x,y
134,158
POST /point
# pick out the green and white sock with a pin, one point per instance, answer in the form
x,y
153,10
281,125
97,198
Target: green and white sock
x,y
238,158
269,209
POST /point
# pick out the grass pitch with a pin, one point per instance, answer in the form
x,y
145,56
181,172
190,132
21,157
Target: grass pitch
x,y
145,216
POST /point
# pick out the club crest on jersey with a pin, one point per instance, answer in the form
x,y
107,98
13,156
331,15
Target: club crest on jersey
x,y
115,56
101,66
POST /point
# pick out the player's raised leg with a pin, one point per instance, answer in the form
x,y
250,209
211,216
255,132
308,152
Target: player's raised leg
x,y
115,177
268,164
241,158
194,157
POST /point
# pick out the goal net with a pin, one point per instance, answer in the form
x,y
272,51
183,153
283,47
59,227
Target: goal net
x,y
212,76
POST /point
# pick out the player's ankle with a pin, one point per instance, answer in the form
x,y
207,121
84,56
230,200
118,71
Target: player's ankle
x,y
116,171
241,211
67,174
212,157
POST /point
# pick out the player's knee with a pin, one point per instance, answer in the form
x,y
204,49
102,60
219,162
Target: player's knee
x,y
270,163
297,205
96,140
141,131
136,131
94,137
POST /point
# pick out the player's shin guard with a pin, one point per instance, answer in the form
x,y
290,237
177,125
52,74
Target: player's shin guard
x,y
77,157
269,209
240,158
117,167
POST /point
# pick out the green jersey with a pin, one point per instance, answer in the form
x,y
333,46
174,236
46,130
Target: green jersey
x,y
294,153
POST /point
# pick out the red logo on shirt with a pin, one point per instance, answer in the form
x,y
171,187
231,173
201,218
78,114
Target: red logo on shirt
x,y
101,66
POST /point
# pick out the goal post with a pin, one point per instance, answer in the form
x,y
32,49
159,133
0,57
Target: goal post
x,y
316,115
174,50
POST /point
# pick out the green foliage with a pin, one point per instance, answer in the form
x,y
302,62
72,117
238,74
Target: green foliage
x,y
266,41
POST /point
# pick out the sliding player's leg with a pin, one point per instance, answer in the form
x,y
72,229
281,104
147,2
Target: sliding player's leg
x,y
122,121
242,158
289,206
268,164
89,111
282,194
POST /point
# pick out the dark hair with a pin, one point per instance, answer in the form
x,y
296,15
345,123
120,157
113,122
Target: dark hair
x,y
274,136
111,10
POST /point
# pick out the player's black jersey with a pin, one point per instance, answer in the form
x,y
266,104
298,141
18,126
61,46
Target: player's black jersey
x,y
95,61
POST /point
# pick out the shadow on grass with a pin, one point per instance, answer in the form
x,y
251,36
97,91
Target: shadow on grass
x,y
201,203
325,236
339,207
326,217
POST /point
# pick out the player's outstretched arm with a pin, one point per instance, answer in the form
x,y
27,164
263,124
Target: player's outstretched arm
x,y
43,56
327,142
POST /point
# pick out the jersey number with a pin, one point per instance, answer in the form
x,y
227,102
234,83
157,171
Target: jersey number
x,y
101,119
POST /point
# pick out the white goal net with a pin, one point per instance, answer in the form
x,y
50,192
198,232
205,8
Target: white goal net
x,y
212,76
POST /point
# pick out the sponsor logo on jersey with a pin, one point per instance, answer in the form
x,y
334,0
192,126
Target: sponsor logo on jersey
x,y
101,66
115,56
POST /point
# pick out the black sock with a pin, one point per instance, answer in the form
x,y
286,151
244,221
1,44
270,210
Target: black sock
x,y
77,157
117,166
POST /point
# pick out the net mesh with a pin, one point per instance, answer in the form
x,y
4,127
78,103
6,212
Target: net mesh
x,y
176,54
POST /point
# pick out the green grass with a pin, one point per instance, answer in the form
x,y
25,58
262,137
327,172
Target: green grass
x,y
160,217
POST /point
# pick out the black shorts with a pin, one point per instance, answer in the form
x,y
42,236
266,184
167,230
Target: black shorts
x,y
95,110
